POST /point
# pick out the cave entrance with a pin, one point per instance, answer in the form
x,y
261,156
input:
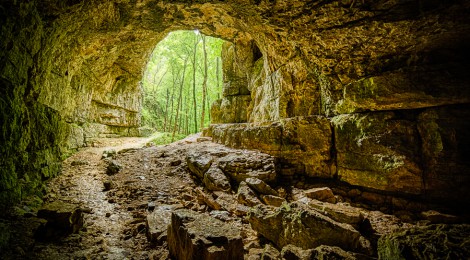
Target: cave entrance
x,y
182,78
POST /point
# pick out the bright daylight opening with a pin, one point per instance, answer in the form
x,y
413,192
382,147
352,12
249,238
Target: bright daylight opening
x,y
182,79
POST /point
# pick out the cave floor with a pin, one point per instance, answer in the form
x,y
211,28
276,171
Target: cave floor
x,y
115,218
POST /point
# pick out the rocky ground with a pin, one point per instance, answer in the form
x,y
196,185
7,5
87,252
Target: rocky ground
x,y
125,199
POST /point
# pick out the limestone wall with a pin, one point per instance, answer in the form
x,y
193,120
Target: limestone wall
x,y
70,71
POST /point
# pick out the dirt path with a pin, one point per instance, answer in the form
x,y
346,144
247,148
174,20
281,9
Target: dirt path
x,y
115,219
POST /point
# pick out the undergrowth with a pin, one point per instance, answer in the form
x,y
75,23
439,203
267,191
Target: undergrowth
x,y
160,138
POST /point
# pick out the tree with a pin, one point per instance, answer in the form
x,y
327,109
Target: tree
x,y
170,99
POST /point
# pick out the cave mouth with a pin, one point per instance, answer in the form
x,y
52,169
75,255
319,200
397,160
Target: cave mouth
x,y
183,76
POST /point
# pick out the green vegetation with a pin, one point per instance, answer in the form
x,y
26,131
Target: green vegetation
x,y
183,77
159,138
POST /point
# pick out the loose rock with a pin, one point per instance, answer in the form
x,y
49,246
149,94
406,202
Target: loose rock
x,y
193,235
113,167
246,195
321,194
215,180
260,186
306,228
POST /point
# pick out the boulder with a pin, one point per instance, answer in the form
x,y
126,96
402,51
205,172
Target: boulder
x,y
306,228
193,235
427,242
260,186
273,200
113,167
377,224
207,199
199,163
334,252
322,194
291,252
215,180
246,195
339,212
240,166
267,253
436,217
380,151
158,222
62,219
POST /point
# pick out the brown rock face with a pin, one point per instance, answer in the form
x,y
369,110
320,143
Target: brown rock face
x,y
73,69
306,228
196,236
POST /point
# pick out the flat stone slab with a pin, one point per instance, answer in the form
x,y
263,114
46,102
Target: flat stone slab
x,y
193,235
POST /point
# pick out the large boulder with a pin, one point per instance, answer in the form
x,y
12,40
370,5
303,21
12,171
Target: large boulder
x,y
62,219
379,151
427,242
306,228
240,166
198,163
215,180
157,223
193,235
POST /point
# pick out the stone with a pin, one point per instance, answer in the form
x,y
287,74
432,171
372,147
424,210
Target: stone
x,y
362,62
267,253
334,252
379,151
108,154
241,210
377,224
305,228
113,167
193,235
215,180
220,215
321,194
246,195
240,166
157,223
198,163
291,252
428,242
272,200
231,109
260,186
435,217
107,185
339,212
304,143
208,200
62,219
373,198
444,134
175,163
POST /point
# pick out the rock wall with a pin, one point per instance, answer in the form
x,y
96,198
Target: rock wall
x,y
70,71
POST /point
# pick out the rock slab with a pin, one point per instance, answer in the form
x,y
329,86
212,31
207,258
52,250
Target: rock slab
x,y
306,228
62,219
193,235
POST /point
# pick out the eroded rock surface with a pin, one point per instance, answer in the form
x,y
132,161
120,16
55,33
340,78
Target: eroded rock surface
x,y
306,228
192,235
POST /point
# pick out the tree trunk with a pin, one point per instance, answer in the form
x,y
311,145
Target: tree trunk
x,y
196,42
204,83
179,99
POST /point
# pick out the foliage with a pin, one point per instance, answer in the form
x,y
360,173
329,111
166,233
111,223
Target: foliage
x,y
172,100
160,138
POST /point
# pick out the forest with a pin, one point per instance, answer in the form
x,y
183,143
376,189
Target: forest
x,y
182,79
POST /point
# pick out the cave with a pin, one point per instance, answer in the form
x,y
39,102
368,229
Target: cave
x,y
341,132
